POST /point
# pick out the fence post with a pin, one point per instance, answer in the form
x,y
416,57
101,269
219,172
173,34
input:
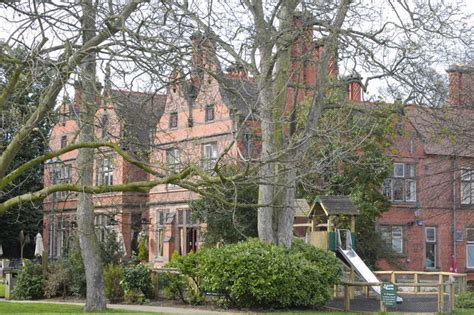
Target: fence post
x,y
416,282
393,278
382,306
440,297
452,297
351,279
347,298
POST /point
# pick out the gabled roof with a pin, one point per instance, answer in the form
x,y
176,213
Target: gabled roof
x,y
444,131
333,205
139,112
301,208
240,94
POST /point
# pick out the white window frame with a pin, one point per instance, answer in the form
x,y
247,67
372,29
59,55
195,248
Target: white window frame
x,y
209,156
467,180
60,174
104,172
432,241
404,179
390,230
173,160
469,245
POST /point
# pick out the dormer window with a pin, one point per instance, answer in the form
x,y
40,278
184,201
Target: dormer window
x,y
209,116
173,120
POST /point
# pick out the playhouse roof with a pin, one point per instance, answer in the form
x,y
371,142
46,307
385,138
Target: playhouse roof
x,y
301,208
333,205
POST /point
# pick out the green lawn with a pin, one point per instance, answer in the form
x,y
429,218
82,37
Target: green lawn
x,y
35,308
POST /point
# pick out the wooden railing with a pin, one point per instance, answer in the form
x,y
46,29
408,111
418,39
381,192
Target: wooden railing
x,y
425,278
438,281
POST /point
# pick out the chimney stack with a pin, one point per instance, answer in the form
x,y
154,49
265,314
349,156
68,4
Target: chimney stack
x,y
461,85
236,71
203,57
354,88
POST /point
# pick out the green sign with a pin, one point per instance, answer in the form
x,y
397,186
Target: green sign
x,y
389,294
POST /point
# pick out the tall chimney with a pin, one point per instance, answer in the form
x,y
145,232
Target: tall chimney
x,y
461,85
354,87
203,57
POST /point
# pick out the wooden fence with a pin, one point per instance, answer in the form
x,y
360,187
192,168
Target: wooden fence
x,y
437,281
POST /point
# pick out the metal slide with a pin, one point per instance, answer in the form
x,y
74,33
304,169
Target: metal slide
x,y
351,258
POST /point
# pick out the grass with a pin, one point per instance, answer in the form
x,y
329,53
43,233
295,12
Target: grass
x,y
37,308
2,290
46,308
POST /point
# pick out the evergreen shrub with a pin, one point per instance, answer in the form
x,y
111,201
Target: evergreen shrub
x,y
136,280
465,300
30,282
113,276
256,274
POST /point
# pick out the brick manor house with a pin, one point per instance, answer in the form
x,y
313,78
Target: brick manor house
x,y
430,225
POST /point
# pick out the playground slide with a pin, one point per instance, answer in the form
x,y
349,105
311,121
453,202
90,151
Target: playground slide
x,y
351,257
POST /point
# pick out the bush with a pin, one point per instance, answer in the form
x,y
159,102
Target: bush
x,y
113,276
110,250
253,273
142,250
58,279
328,265
77,272
465,300
30,282
137,279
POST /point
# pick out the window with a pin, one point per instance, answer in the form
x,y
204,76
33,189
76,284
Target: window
x,y
104,125
104,172
60,174
173,120
430,247
173,160
209,156
63,141
187,236
209,113
467,186
393,237
470,248
102,224
52,248
64,230
160,231
402,185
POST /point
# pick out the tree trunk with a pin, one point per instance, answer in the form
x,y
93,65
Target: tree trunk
x,y
275,221
90,249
